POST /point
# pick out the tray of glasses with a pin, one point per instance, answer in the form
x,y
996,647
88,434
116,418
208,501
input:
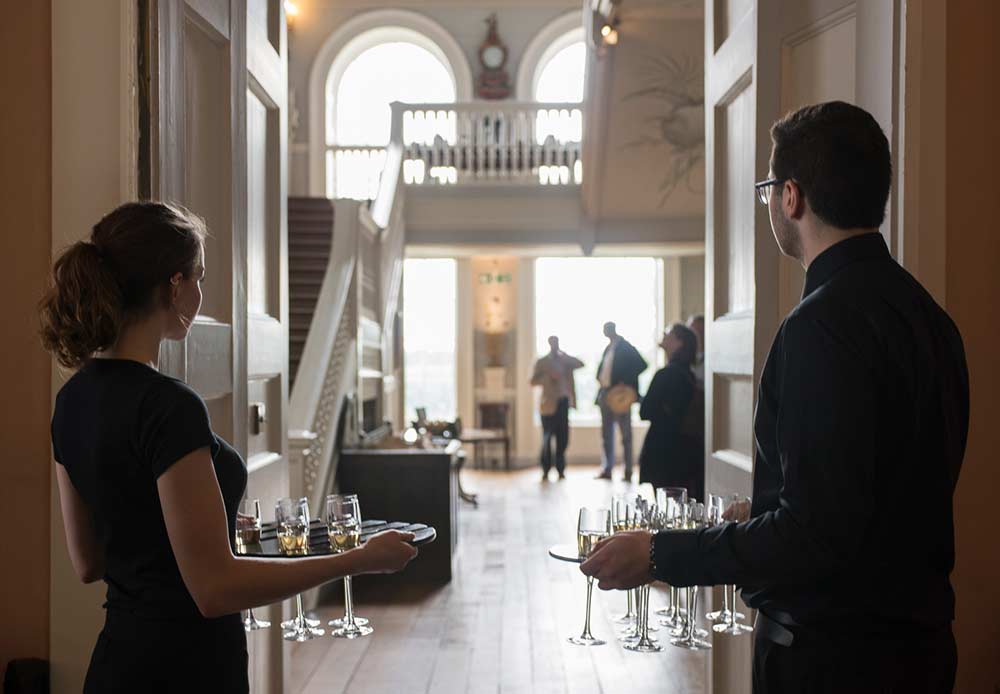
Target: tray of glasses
x,y
566,552
319,539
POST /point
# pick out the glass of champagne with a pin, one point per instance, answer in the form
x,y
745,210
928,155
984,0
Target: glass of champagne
x,y
343,523
292,516
593,525
647,518
248,535
670,502
736,508
622,519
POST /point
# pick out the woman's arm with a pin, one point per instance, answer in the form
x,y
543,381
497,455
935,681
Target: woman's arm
x,y
84,551
221,583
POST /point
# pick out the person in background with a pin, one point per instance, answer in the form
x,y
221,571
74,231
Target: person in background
x,y
697,325
554,373
861,425
618,377
148,492
672,451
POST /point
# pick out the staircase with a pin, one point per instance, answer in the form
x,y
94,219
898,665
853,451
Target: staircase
x,y
310,235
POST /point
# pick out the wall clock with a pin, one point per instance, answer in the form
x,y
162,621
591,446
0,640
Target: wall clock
x,y
494,83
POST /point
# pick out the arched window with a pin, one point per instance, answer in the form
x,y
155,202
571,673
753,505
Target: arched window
x,y
561,76
359,115
370,61
553,70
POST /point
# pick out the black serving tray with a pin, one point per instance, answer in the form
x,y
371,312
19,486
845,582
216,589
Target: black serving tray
x,y
319,540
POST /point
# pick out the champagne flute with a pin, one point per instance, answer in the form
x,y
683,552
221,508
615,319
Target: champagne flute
x,y
714,516
292,516
736,508
648,518
671,502
692,639
593,525
622,518
248,534
343,523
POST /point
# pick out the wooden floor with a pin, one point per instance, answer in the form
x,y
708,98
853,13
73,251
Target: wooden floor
x,y
501,624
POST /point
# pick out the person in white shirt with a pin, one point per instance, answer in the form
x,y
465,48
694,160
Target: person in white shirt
x,y
618,376
554,373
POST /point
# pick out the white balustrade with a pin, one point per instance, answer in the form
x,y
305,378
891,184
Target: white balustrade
x,y
523,143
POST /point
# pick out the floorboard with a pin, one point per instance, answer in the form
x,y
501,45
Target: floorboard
x,y
500,626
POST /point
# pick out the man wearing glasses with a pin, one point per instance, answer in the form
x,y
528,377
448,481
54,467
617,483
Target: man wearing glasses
x,y
861,424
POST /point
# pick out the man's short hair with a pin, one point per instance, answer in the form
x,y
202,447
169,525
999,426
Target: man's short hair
x,y
839,157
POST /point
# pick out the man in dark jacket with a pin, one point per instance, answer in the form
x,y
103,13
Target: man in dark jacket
x,y
618,376
861,423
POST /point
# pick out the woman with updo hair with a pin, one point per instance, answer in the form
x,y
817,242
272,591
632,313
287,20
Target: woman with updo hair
x,y
148,492
673,450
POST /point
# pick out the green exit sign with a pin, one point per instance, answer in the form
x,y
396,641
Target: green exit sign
x,y
498,278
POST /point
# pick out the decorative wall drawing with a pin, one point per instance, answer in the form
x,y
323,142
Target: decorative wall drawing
x,y
675,88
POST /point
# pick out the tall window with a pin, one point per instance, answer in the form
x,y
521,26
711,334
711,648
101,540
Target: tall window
x,y
574,297
359,118
429,337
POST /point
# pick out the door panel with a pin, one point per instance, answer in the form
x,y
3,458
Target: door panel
x,y
817,65
265,97
763,57
219,148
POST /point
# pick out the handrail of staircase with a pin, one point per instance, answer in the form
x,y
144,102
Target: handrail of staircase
x,y
312,441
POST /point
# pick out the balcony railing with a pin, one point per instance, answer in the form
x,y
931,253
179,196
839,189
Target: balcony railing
x,y
467,143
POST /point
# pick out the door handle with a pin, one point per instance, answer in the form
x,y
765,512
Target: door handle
x,y
258,417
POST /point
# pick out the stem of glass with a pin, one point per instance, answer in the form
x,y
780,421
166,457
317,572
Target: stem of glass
x,y
693,614
628,611
732,613
300,617
348,604
644,609
586,624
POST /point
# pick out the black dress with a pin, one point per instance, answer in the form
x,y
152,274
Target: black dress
x,y
671,455
118,425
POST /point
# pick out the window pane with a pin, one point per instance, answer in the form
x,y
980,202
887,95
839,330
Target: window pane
x,y
429,337
574,297
562,77
385,73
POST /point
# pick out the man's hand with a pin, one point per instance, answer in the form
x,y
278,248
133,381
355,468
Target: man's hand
x,y
620,562
739,512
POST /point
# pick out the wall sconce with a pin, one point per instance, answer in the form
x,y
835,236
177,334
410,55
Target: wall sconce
x,y
609,32
602,25
291,11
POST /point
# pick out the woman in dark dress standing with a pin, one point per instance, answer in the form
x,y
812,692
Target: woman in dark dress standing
x,y
148,492
672,450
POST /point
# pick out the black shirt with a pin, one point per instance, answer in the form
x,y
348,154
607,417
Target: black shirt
x,y
118,425
861,424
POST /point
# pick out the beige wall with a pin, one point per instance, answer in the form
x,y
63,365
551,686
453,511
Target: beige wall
x,y
25,193
654,157
973,294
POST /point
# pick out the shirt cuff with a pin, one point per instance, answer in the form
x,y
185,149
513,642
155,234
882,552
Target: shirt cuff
x,y
676,556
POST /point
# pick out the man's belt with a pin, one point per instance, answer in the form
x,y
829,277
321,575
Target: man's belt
x,y
779,627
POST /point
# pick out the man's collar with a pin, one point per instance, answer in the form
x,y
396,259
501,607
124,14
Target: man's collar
x,y
841,254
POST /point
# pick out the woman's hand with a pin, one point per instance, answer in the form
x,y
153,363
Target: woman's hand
x,y
387,552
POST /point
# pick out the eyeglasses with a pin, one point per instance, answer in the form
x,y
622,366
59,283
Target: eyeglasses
x,y
763,189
